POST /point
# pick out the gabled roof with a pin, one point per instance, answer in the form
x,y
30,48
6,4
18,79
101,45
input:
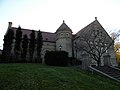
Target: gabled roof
x,y
63,27
93,25
47,36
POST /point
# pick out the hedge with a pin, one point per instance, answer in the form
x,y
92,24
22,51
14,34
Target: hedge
x,y
56,58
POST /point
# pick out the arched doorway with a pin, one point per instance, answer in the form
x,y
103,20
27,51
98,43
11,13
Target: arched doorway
x,y
43,53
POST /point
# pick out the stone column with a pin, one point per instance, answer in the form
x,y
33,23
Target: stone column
x,y
85,61
107,60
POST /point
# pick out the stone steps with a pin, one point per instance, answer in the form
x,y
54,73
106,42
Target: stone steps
x,y
110,72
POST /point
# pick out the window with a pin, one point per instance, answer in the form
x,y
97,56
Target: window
x,y
67,34
61,34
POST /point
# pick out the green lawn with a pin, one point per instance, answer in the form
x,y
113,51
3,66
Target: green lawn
x,y
42,77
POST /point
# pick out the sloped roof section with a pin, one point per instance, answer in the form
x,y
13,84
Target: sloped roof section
x,y
63,27
47,36
95,25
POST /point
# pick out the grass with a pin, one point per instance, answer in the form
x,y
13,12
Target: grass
x,y
42,77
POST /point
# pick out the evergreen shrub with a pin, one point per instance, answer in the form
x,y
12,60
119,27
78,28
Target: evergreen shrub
x,y
56,58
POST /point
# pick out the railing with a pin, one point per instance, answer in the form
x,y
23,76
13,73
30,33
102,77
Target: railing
x,y
92,69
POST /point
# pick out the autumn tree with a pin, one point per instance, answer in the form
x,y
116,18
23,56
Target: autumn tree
x,y
32,45
7,46
39,43
117,47
18,38
24,48
95,42
115,36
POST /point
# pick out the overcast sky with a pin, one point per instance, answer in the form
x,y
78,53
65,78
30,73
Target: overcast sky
x,y
47,15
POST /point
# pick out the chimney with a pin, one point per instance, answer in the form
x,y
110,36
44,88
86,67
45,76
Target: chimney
x,y
9,24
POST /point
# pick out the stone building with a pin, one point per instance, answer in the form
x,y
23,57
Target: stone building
x,y
64,40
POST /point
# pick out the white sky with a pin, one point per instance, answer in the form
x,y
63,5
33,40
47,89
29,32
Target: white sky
x,y
47,15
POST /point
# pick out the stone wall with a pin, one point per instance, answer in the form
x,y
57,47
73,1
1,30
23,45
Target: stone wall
x,y
64,39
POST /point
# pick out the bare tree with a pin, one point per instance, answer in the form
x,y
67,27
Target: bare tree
x,y
115,37
95,42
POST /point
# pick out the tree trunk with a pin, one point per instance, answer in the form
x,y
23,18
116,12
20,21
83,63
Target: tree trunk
x,y
99,62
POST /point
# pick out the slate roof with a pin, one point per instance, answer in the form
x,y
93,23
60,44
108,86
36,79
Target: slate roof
x,y
93,25
63,27
47,36
51,37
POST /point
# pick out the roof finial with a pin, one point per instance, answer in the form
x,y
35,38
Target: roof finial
x,y
19,27
95,18
9,24
63,21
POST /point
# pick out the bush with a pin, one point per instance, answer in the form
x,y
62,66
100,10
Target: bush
x,y
56,58
119,64
78,62
71,60
74,61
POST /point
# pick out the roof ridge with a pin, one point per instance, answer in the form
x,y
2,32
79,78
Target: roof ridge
x,y
33,29
24,29
47,32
